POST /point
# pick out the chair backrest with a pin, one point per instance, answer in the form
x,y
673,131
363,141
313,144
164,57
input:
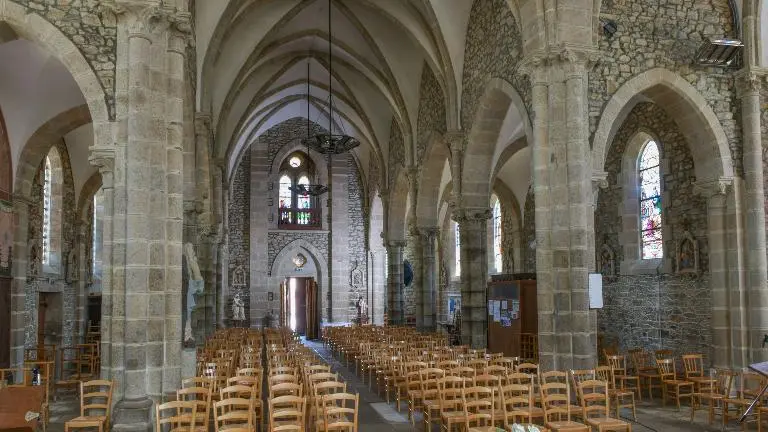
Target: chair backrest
x,y
667,368
594,398
341,411
607,374
724,380
641,360
286,389
750,384
663,353
694,365
283,378
197,382
555,401
248,381
288,411
233,412
516,400
175,416
252,372
618,363
529,368
479,406
96,395
201,396
463,372
236,391
486,380
578,376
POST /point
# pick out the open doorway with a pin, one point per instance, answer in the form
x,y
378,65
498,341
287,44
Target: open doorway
x,y
299,301
49,319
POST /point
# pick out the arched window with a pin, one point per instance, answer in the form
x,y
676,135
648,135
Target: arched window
x,y
651,245
457,251
298,210
497,236
47,198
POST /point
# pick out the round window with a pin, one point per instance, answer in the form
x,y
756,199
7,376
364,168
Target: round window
x,y
295,162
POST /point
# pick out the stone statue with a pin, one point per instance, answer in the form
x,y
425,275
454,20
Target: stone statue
x,y
238,308
195,286
362,306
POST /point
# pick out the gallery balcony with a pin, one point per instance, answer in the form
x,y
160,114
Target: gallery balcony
x,y
300,219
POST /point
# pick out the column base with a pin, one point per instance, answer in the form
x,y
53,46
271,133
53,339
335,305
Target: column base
x,y
133,415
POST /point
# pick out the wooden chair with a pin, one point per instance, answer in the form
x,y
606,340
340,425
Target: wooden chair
x,y
624,381
663,354
176,416
596,407
95,406
694,372
558,377
233,413
555,400
287,413
451,407
647,371
340,413
749,384
671,385
479,408
197,382
431,380
715,395
201,396
517,403
621,398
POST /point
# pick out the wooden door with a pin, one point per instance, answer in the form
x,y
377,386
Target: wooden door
x,y
300,304
311,302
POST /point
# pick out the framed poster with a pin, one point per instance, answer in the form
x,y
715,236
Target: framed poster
x,y
454,305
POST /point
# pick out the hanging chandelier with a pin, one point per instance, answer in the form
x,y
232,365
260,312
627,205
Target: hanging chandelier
x,y
308,189
330,143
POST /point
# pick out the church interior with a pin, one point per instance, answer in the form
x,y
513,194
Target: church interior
x,y
383,215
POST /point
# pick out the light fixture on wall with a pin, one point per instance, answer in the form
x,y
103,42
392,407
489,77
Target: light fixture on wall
x,y
330,143
718,52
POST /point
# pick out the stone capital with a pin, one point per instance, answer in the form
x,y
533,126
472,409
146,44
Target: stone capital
x,y
429,233
577,59
534,66
713,188
412,172
202,124
468,215
396,243
139,16
749,81
599,181
103,158
455,140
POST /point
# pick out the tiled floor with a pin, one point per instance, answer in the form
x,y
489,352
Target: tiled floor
x,y
378,416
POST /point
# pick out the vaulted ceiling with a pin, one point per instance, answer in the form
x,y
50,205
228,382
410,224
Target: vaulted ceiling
x,y
254,57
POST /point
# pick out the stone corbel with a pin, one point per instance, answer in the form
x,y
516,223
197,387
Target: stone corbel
x,y
455,140
104,159
712,188
471,215
749,81
396,243
203,125
578,59
599,181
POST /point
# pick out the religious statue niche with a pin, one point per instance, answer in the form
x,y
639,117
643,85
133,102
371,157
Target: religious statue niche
x,y
607,261
238,300
687,254
356,286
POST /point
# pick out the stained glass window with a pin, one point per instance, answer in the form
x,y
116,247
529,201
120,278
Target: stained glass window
x,y
457,252
304,200
650,202
285,192
47,198
497,236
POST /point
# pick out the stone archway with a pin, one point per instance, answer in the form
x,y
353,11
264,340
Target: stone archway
x,y
431,176
282,264
714,181
477,166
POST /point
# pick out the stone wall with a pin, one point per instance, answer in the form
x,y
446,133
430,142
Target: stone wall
x,y
657,312
288,132
666,33
93,33
683,210
529,233
239,232
666,310
493,48
279,239
764,130
357,214
410,291
431,115
396,153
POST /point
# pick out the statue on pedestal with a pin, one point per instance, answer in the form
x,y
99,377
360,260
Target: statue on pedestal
x,y
238,308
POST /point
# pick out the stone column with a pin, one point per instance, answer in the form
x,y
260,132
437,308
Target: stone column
x,y
749,86
175,63
395,281
428,278
455,140
473,228
414,255
21,204
724,344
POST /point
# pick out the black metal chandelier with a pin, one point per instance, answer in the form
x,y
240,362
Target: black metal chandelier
x,y
330,143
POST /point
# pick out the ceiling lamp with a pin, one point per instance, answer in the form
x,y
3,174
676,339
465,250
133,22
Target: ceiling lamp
x,y
330,143
308,189
718,52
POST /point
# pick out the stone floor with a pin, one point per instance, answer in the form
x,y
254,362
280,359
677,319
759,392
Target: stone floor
x,y
378,416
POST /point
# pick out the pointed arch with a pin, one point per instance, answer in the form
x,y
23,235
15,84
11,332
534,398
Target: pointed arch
x,y
6,162
483,138
685,105
431,176
398,203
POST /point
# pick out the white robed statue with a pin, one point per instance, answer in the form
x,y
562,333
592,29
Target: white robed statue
x,y
238,308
